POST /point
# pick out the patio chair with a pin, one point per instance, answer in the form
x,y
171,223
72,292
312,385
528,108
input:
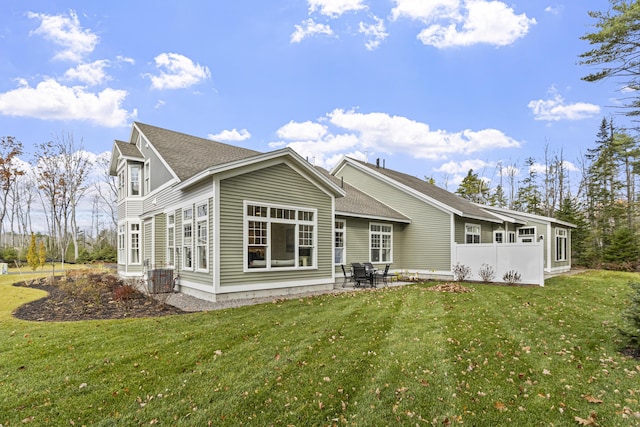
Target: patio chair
x,y
347,278
360,275
383,276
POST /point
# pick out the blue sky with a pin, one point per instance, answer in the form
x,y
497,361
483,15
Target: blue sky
x,y
432,87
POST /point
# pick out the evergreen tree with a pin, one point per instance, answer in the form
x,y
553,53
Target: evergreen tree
x,y
529,197
623,247
473,188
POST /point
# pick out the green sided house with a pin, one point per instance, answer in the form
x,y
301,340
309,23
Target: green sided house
x,y
218,221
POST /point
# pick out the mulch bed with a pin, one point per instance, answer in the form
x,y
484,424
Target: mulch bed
x,y
63,303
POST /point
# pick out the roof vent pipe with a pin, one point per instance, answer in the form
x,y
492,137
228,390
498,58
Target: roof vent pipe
x,y
378,163
384,162
342,182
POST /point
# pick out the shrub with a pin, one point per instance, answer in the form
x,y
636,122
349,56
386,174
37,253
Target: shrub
x,y
461,272
124,293
486,273
631,329
511,277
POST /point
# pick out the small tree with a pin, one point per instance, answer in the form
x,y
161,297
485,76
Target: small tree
x,y
33,260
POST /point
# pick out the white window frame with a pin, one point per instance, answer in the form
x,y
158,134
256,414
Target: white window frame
x,y
187,238
470,231
527,237
381,240
500,233
147,177
258,218
121,186
135,243
131,182
171,239
202,236
122,243
561,244
339,241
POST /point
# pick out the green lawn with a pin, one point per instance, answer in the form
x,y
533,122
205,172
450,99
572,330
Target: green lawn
x,y
395,356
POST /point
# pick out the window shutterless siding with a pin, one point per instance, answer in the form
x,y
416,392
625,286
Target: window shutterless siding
x,y
278,185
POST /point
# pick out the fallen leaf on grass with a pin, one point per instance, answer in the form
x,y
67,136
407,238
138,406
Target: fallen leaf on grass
x,y
592,399
591,421
500,406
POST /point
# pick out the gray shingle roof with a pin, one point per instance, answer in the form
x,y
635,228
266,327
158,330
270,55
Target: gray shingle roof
x,y
360,204
455,202
188,155
128,150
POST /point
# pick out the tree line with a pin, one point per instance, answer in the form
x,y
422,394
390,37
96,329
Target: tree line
x,y
48,197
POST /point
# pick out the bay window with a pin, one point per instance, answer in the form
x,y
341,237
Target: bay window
x,y
134,180
135,244
279,237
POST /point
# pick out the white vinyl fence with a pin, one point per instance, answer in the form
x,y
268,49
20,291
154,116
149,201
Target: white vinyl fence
x,y
527,259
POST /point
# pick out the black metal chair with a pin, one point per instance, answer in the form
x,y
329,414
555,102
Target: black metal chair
x,y
360,275
347,278
383,276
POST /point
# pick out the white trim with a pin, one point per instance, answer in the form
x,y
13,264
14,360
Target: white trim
x,y
257,163
216,235
140,241
504,236
381,233
146,177
129,181
196,221
524,238
373,217
479,234
558,234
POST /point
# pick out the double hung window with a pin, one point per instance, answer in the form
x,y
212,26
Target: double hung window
x,y
202,236
187,239
171,239
472,233
380,242
135,244
339,242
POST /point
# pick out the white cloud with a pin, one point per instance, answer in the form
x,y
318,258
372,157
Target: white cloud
x,y
335,8
554,10
555,109
177,72
91,74
126,59
161,103
66,32
374,33
425,10
490,22
464,166
50,100
302,131
374,133
309,28
231,135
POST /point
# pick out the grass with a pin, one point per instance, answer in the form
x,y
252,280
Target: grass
x,y
396,356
